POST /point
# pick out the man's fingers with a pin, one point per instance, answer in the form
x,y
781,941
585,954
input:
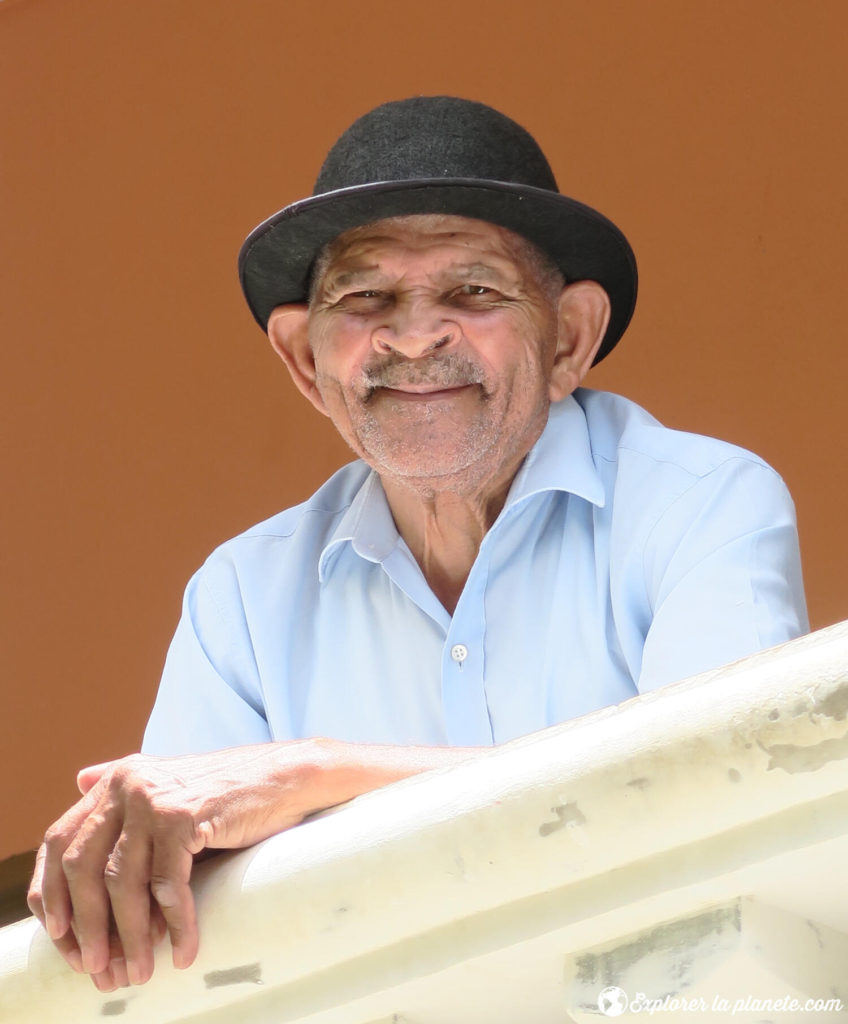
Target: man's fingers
x,y
54,895
35,901
127,879
84,864
158,927
48,896
169,885
118,970
88,777
104,981
58,921
68,947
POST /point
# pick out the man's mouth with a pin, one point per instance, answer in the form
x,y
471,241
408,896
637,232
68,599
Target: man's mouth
x,y
423,392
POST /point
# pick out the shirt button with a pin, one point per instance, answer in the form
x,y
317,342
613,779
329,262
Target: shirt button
x,y
459,652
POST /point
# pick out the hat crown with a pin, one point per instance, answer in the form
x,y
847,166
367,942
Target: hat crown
x,y
430,137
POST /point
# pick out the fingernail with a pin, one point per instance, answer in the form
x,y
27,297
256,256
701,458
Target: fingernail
x,y
134,973
104,982
54,928
181,960
89,965
118,967
74,958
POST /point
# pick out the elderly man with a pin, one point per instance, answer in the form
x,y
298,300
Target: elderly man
x,y
509,551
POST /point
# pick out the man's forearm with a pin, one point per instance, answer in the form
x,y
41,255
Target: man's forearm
x,y
164,811
346,770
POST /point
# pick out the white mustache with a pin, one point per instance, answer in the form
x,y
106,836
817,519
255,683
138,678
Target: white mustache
x,y
448,371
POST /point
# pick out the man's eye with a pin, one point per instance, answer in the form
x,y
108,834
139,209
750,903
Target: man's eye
x,y
476,291
365,298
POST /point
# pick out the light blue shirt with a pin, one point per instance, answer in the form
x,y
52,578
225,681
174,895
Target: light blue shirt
x,y
626,556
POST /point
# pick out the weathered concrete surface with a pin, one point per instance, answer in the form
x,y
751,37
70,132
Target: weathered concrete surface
x,y
459,895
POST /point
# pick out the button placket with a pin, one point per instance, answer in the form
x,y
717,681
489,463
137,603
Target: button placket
x,y
463,687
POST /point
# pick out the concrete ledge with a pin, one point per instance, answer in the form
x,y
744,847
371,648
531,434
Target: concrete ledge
x,y
469,894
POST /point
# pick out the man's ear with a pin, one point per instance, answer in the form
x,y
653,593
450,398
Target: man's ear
x,y
288,332
583,314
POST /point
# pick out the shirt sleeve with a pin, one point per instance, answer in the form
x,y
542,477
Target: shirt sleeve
x,y
209,696
722,573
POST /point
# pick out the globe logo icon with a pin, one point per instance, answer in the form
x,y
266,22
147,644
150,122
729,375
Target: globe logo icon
x,y
612,1001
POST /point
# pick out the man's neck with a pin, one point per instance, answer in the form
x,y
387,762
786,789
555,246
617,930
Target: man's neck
x,y
444,530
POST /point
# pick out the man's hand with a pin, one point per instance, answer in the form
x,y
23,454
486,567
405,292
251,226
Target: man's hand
x,y
113,872
120,859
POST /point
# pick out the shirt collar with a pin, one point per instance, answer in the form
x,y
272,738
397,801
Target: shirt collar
x,y
367,525
561,460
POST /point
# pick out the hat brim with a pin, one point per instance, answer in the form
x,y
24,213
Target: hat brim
x,y
276,258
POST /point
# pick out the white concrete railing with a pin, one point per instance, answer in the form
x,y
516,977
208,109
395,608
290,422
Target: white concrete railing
x,y
683,846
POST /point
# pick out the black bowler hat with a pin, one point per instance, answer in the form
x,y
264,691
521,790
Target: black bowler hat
x,y
437,154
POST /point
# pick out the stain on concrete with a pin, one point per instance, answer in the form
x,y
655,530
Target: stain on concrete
x,y
835,705
395,1018
250,974
794,759
640,783
817,933
773,715
567,814
114,1008
681,937
734,775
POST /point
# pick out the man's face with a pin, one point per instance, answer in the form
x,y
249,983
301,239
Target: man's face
x,y
433,339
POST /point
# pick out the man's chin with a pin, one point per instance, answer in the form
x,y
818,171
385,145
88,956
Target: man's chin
x,y
439,460
399,462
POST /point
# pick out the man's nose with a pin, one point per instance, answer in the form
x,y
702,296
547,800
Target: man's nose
x,y
415,330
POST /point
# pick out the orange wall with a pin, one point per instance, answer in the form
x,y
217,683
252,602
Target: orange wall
x,y
145,418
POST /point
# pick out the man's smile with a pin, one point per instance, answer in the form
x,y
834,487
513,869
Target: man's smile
x,y
423,392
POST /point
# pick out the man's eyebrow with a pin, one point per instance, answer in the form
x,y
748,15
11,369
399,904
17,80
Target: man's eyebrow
x,y
343,278
473,268
479,269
